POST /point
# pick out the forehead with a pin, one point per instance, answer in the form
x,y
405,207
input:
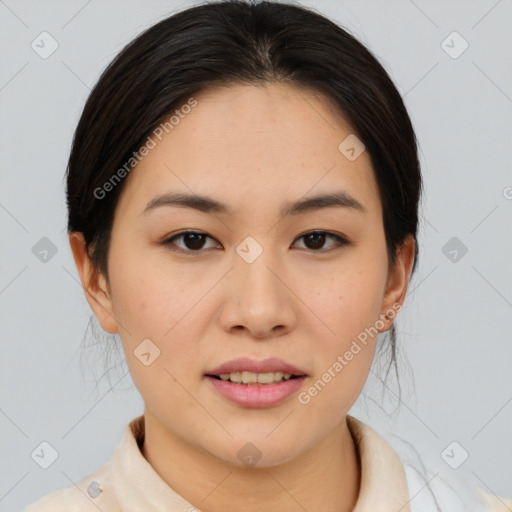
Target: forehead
x,y
252,145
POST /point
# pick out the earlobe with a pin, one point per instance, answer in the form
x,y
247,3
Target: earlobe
x,y
94,284
398,281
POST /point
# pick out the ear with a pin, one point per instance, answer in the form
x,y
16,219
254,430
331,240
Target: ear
x,y
93,283
398,281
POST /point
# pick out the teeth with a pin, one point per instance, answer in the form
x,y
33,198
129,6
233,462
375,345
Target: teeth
x,y
253,378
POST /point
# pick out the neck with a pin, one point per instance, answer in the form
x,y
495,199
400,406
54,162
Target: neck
x,y
326,477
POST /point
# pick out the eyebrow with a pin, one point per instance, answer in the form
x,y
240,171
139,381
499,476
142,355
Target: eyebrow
x,y
209,205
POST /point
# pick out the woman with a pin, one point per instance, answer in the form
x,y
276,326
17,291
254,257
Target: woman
x,y
243,194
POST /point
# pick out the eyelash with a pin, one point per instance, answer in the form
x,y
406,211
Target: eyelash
x,y
169,242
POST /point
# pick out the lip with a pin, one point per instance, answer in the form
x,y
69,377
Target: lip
x,y
245,364
256,395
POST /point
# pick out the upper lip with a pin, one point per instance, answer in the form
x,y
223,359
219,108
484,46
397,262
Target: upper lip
x,y
245,364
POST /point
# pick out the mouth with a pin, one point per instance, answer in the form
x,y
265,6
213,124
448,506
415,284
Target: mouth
x,y
256,384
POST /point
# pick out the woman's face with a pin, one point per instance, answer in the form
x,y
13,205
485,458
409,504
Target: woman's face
x,y
256,284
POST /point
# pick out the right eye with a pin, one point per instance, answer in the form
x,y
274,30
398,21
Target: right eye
x,y
192,240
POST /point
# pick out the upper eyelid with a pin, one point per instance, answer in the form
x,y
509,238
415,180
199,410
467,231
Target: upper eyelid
x,y
187,231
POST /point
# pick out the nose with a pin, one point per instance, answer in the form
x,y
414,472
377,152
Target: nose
x,y
259,297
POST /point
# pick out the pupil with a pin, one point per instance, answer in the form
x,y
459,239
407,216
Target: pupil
x,y
195,237
316,237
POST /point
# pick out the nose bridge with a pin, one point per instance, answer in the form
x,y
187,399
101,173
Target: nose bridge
x,y
260,297
256,265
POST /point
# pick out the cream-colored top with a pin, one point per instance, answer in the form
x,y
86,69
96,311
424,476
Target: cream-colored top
x,y
128,483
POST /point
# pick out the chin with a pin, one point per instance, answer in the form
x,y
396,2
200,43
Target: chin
x,y
256,454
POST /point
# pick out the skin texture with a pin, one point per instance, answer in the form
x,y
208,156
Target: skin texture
x,y
253,148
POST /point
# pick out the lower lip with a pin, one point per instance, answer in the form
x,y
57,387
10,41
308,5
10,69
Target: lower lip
x,y
257,395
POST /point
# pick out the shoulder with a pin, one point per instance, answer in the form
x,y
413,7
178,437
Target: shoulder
x,y
431,490
435,488
87,495
494,503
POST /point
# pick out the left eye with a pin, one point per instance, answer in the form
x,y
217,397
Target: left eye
x,y
317,239
194,240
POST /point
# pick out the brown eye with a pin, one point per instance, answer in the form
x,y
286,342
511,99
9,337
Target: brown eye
x,y
315,240
193,241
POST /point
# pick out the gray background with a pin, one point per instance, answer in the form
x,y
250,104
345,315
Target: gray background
x,y
454,332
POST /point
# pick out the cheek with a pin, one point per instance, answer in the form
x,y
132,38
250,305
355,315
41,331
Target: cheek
x,y
162,311
352,300
166,308
343,358
349,306
149,300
